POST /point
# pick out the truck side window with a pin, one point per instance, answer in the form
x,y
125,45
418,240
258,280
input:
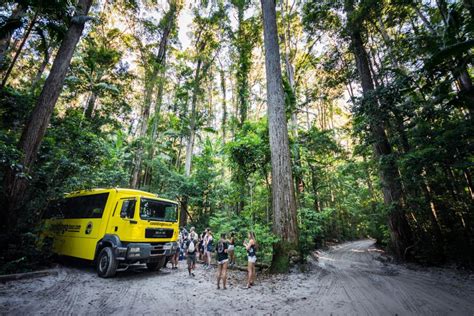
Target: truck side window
x,y
128,209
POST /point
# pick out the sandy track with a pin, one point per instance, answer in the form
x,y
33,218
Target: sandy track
x,y
348,279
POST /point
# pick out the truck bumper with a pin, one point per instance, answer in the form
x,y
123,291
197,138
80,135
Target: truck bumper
x,y
145,252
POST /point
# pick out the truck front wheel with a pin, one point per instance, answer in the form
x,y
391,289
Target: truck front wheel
x,y
106,263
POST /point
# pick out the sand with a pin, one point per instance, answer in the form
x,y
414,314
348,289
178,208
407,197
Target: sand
x,y
351,278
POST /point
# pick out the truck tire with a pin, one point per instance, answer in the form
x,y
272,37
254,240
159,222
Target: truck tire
x,y
106,263
156,266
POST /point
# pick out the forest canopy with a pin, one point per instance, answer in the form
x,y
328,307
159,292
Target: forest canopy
x,y
368,106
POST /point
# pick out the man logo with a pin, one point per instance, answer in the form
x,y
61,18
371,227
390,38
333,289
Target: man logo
x,y
88,228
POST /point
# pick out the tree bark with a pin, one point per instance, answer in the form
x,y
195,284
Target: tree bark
x,y
150,81
283,195
154,130
192,122
90,105
401,235
466,88
33,133
314,185
290,73
224,106
41,69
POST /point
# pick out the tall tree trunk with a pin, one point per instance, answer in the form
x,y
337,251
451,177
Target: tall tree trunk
x,y
192,121
244,48
314,185
90,105
41,69
283,195
33,133
290,73
244,52
154,130
224,106
7,30
18,51
466,88
183,212
468,178
401,235
150,83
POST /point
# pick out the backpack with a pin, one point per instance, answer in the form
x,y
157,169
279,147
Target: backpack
x,y
191,247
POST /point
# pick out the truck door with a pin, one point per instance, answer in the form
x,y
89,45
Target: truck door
x,y
123,221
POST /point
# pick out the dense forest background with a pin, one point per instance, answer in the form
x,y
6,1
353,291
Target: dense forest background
x,y
170,97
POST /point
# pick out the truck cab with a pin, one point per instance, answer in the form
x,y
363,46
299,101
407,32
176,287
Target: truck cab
x,y
114,228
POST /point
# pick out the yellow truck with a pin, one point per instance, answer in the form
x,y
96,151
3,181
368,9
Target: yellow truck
x,y
114,228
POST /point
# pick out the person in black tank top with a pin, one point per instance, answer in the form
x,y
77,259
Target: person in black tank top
x,y
252,252
222,260
251,247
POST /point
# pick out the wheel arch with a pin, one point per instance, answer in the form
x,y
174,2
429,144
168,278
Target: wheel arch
x,y
109,240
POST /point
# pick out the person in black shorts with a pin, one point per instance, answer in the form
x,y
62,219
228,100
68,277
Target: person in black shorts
x,y
251,247
201,247
222,261
191,246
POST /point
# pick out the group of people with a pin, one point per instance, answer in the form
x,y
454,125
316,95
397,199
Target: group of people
x,y
193,246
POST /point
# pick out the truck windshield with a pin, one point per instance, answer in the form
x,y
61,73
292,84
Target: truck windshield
x,y
154,210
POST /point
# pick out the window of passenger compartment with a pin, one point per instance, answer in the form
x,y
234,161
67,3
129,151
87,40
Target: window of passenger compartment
x,y
128,209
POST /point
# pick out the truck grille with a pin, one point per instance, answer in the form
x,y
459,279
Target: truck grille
x,y
157,249
158,233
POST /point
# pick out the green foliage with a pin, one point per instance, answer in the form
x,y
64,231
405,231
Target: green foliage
x,y
250,151
421,67
428,122
24,252
310,228
74,155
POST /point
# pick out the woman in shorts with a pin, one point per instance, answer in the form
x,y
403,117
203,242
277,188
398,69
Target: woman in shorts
x,y
209,247
251,247
201,246
222,261
231,250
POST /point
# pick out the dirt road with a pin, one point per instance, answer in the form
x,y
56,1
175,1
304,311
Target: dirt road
x,y
348,279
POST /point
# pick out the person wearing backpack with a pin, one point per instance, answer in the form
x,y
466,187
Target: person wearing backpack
x,y
209,247
191,248
222,261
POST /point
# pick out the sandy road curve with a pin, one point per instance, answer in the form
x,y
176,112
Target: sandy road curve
x,y
348,279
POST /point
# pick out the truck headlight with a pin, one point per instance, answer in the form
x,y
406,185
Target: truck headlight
x,y
134,249
167,246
